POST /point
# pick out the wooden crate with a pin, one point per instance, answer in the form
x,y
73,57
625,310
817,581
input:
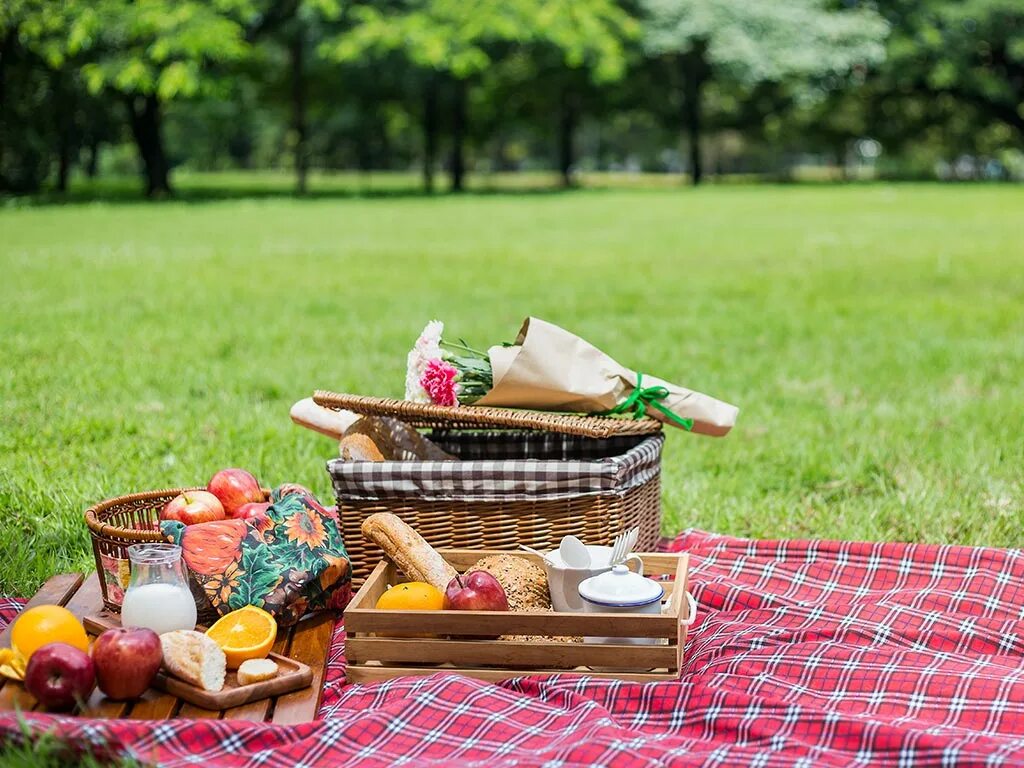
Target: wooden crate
x,y
378,646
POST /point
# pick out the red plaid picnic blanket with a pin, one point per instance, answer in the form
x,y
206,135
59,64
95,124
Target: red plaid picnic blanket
x,y
809,653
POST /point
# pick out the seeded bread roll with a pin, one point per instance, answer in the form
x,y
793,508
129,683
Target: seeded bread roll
x,y
408,550
525,583
195,658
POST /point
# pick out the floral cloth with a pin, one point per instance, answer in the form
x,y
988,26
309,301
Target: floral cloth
x,y
289,560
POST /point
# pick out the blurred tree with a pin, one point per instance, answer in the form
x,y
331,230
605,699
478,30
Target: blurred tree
x,y
154,51
756,42
454,42
952,63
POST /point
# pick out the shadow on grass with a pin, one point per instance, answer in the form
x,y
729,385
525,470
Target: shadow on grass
x,y
200,188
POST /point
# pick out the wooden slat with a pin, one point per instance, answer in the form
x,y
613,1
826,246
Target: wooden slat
x,y
373,587
470,623
525,654
310,643
192,712
102,707
56,591
655,563
14,696
154,705
257,711
358,673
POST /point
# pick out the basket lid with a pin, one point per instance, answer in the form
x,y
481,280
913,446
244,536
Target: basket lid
x,y
484,417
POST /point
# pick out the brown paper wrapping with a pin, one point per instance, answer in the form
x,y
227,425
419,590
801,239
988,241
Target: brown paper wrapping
x,y
549,368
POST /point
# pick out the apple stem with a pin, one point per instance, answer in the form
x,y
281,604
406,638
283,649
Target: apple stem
x,y
459,579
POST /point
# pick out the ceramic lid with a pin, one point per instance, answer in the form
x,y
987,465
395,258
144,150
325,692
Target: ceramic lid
x,y
620,588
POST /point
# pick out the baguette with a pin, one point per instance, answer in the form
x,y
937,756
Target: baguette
x,y
408,550
195,658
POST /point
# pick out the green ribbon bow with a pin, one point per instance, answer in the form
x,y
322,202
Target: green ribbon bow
x,y
642,396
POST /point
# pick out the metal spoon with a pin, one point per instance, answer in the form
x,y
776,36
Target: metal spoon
x,y
574,552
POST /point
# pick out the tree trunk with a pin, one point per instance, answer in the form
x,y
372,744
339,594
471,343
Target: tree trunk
x,y
144,112
65,129
296,51
458,164
430,126
566,134
92,165
695,72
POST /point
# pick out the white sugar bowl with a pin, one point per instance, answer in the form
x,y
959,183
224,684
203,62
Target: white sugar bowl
x,y
621,591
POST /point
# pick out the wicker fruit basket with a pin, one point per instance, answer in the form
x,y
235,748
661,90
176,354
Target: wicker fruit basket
x,y
116,524
383,644
525,477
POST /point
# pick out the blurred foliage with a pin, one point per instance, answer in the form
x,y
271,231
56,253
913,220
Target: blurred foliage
x,y
901,87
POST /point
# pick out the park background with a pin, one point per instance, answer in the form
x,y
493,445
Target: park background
x,y
211,208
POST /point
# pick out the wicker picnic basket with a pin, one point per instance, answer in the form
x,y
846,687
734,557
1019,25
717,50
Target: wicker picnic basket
x,y
526,477
116,524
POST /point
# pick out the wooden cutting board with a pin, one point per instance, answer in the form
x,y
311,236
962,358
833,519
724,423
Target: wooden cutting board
x,y
291,676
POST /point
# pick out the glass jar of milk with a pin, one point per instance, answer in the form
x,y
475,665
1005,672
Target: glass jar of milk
x,y
158,596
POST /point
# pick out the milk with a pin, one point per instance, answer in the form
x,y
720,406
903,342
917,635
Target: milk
x,y
160,607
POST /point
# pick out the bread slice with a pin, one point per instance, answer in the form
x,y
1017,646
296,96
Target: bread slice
x,y
408,550
195,658
256,670
359,448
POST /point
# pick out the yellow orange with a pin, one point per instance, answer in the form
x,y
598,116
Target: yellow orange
x,y
411,596
248,633
47,624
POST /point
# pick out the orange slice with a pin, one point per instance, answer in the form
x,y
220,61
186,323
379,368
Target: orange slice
x,y
247,633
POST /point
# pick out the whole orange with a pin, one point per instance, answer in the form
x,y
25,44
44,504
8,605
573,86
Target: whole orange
x,y
47,624
411,596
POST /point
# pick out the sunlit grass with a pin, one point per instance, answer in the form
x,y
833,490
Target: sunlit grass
x,y
872,335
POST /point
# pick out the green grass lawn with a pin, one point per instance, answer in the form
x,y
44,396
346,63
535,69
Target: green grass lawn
x,y
873,337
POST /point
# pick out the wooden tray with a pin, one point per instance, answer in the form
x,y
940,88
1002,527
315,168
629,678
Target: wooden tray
x,y
376,649
291,676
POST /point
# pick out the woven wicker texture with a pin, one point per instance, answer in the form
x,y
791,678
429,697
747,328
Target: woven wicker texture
x,y
506,525
474,417
116,524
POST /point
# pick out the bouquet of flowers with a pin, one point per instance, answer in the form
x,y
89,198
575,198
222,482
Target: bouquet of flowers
x,y
444,372
548,368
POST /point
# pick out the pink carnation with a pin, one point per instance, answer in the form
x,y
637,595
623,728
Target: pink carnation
x,y
440,380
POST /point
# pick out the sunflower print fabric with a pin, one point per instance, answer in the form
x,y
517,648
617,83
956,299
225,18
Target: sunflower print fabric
x,y
291,560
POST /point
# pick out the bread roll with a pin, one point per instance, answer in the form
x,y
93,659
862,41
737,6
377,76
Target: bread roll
x,y
195,658
256,670
408,550
359,448
524,582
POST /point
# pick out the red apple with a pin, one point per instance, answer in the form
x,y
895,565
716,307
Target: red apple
x,y
193,507
251,510
234,487
60,675
127,660
475,591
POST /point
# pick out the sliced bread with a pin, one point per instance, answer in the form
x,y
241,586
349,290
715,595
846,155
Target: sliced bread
x,y
195,658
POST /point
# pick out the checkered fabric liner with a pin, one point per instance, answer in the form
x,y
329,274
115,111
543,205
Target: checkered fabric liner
x,y
506,466
805,653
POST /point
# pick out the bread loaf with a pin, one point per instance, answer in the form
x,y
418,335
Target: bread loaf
x,y
524,582
195,658
408,550
359,448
